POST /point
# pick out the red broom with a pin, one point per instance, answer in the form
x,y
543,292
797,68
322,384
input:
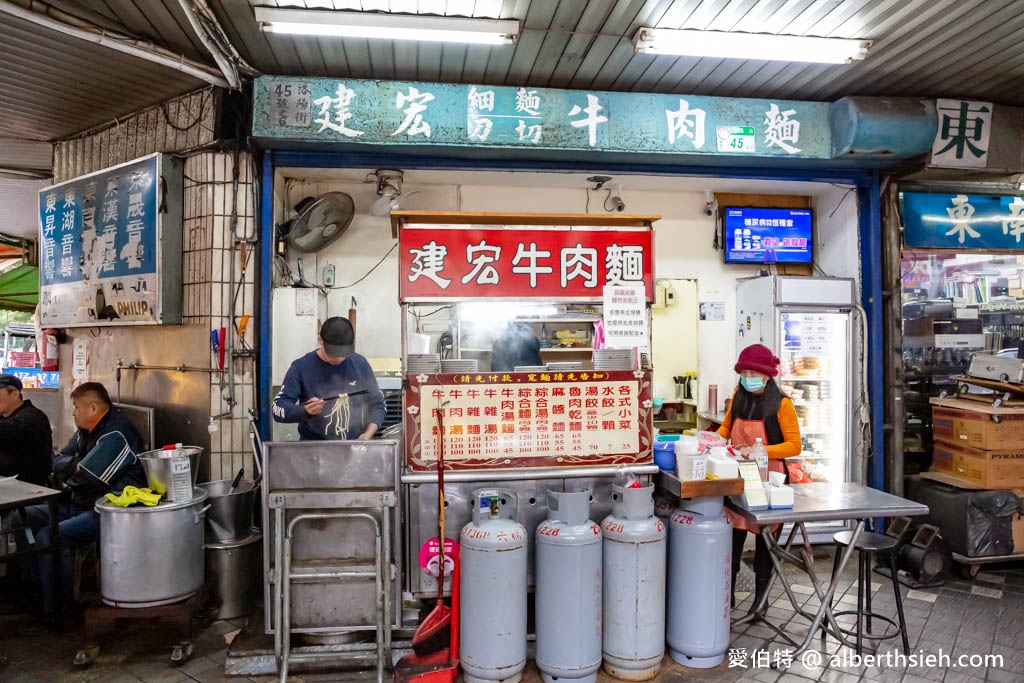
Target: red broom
x,y
439,667
434,634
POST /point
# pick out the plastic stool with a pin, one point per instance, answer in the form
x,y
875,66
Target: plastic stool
x,y
868,543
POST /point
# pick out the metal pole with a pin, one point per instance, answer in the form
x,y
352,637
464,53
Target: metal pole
x,y
871,296
222,60
892,286
278,555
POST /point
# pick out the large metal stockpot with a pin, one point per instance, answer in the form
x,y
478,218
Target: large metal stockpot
x,y
151,555
230,515
235,570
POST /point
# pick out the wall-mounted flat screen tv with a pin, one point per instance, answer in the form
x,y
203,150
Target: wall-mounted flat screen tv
x,y
756,235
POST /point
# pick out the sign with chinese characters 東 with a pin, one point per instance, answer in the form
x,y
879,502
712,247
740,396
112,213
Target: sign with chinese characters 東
x,y
414,113
625,317
543,419
961,221
961,140
515,262
110,246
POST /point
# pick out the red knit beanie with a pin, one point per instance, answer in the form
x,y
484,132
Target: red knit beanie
x,y
758,358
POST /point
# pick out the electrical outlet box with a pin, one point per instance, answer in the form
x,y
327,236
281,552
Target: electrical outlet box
x,y
659,296
329,275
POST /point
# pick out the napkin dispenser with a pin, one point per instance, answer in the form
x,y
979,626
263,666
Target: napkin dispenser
x,y
779,495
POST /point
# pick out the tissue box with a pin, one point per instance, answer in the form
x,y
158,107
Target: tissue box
x,y
780,497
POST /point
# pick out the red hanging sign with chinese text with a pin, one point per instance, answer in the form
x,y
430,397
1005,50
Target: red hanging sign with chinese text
x,y
544,419
521,262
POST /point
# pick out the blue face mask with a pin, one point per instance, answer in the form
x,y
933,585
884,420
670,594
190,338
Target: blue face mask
x,y
752,384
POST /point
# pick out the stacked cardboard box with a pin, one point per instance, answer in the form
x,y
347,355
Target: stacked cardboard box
x,y
980,444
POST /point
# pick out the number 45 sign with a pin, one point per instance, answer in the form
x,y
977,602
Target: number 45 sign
x,y
736,139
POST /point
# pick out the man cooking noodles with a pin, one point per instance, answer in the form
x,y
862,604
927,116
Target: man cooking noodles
x,y
331,392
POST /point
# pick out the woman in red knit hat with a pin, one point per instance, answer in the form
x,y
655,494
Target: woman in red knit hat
x,y
759,409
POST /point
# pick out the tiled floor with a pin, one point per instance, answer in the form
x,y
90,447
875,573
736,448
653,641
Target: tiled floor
x,y
984,616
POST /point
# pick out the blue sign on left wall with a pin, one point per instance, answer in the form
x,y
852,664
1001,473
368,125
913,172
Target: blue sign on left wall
x,y
104,240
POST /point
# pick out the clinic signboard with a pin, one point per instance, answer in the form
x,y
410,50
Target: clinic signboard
x,y
966,222
110,246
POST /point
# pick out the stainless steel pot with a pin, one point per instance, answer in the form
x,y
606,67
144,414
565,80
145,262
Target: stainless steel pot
x,y
172,472
151,555
230,515
235,570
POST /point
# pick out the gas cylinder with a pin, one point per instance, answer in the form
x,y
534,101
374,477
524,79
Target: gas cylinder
x,y
567,593
634,585
665,504
492,614
699,583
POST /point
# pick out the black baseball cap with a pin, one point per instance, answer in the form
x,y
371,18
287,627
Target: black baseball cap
x,y
338,337
12,381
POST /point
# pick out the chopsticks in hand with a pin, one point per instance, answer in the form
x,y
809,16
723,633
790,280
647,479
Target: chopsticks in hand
x,y
332,398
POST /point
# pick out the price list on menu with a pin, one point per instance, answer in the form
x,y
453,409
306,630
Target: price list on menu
x,y
562,419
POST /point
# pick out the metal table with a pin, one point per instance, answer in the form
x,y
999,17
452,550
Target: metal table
x,y
15,495
817,503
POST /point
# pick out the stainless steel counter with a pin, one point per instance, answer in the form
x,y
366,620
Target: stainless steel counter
x,y
832,502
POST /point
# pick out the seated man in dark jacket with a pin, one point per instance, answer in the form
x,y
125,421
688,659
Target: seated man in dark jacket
x,y
26,441
100,458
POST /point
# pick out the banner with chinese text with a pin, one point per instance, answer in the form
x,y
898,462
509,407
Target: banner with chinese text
x,y
513,420
324,110
516,262
108,240
961,221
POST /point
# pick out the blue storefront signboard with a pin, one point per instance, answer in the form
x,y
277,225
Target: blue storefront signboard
x,y
962,221
104,241
34,378
414,113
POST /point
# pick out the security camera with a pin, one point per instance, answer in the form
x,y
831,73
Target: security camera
x,y
617,203
709,210
709,203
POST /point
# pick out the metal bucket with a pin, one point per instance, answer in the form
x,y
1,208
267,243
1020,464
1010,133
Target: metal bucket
x,y
230,515
172,472
151,555
235,571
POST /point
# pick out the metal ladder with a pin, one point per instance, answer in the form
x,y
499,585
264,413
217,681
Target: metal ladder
x,y
353,505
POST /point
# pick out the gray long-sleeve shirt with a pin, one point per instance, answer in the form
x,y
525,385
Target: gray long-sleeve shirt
x,y
310,377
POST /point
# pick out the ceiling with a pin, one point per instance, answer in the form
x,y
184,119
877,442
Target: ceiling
x,y
56,86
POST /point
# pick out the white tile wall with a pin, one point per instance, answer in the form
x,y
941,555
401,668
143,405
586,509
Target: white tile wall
x,y
207,267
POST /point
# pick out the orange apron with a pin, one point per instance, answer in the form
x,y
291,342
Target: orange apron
x,y
746,433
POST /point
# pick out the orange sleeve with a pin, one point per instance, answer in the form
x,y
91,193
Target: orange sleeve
x,y
791,444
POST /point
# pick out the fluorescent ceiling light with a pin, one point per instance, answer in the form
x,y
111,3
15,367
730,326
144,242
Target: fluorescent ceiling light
x,y
388,26
766,46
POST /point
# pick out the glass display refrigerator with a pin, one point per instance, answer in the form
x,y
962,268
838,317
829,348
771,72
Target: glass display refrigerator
x,y
807,322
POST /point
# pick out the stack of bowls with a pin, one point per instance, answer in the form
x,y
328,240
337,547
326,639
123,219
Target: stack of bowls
x,y
429,363
459,365
614,359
